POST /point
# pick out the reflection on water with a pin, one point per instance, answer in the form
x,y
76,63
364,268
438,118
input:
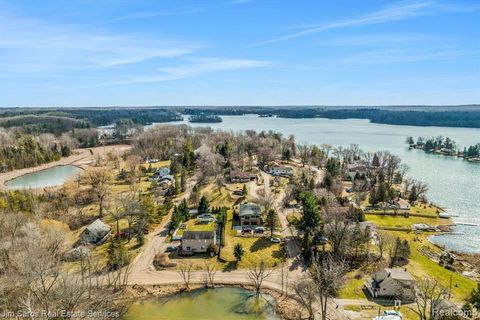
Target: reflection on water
x,y
53,176
214,304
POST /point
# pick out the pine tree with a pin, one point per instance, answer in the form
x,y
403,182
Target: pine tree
x,y
203,205
183,181
238,252
245,190
271,219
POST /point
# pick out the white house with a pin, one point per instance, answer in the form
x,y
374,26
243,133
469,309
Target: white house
x,y
280,171
198,241
392,283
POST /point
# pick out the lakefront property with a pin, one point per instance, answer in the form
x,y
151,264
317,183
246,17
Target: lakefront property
x,y
240,160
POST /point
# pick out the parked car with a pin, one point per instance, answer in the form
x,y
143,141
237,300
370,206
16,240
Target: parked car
x,y
171,249
259,230
275,240
247,230
238,192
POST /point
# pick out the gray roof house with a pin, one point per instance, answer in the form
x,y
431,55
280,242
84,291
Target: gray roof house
x,y
96,233
392,283
197,241
250,214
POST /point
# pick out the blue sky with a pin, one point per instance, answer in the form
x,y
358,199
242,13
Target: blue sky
x,y
239,52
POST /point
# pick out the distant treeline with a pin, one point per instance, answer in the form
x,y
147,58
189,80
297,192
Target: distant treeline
x,y
37,124
466,118
103,116
469,118
204,118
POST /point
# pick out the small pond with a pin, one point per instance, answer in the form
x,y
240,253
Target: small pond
x,y
202,304
50,177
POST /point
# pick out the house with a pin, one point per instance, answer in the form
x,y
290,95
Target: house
x,y
280,171
392,283
96,233
402,204
198,241
168,180
163,171
250,214
237,176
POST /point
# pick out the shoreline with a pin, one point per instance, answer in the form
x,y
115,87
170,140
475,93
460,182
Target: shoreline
x,y
285,305
81,158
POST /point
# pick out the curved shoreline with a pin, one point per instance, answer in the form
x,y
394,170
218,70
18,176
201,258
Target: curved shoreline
x,y
81,158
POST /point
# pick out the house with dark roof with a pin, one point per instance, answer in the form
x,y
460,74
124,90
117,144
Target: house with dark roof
x,y
96,233
237,176
392,283
250,214
198,241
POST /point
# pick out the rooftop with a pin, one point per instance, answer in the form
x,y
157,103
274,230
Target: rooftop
x,y
249,208
198,235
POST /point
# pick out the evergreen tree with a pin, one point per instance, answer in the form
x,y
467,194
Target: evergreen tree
x,y
413,195
203,205
244,190
238,252
118,255
183,181
270,220
475,297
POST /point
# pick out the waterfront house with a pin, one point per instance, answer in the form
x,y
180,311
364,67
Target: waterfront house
x,y
280,171
250,214
198,241
392,283
402,204
96,233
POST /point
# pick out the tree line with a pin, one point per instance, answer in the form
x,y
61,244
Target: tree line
x,y
18,151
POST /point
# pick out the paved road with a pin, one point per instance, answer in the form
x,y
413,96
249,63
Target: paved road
x,y
143,273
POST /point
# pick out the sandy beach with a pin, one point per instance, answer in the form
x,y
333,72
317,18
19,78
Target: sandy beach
x,y
80,157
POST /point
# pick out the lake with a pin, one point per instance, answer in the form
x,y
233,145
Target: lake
x,y
50,177
454,183
211,304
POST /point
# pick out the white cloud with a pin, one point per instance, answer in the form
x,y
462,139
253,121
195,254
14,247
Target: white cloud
x,y
33,45
153,14
198,66
394,12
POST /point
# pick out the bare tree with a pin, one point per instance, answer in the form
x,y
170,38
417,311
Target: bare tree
x,y
306,292
99,180
328,275
210,272
385,241
185,271
428,291
257,273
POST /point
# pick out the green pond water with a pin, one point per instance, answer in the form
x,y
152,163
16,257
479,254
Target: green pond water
x,y
50,177
205,304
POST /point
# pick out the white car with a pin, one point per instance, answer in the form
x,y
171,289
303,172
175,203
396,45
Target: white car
x,y
275,240
390,315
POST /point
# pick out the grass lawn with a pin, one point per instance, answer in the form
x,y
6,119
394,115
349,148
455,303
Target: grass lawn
x,y
370,311
420,267
401,221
